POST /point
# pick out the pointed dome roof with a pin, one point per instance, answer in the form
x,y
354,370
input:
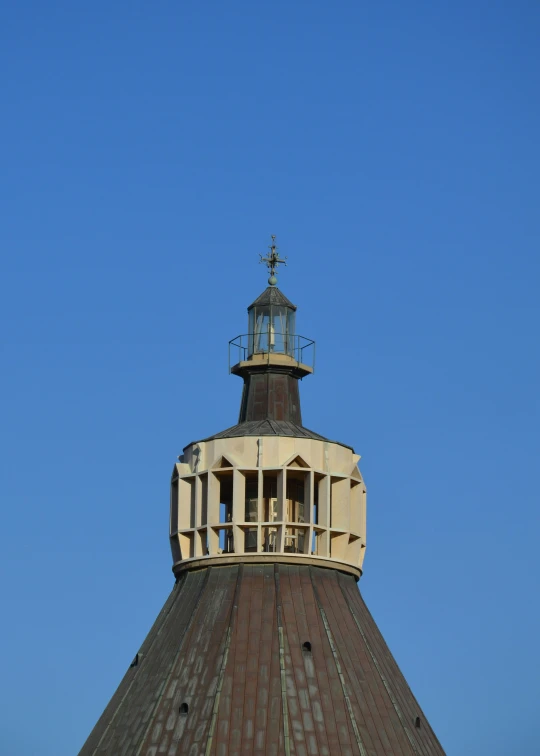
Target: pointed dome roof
x,y
272,296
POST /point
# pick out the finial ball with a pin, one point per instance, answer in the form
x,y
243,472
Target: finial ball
x,y
272,280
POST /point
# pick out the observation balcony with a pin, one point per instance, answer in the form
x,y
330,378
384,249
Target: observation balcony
x,y
271,348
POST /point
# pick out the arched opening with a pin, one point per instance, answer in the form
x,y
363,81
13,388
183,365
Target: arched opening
x,y
184,708
306,647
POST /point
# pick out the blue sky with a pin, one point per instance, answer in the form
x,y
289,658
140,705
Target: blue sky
x,y
148,152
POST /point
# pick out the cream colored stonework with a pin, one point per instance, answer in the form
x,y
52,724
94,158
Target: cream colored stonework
x,y
292,498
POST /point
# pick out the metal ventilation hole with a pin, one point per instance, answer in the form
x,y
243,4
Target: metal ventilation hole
x,y
417,722
184,708
306,647
135,661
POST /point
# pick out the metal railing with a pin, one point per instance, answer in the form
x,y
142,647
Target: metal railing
x,y
300,348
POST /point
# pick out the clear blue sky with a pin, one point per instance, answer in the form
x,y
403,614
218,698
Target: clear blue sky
x,y
148,151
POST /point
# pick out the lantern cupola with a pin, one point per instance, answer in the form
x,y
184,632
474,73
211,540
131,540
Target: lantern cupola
x,y
271,316
271,324
271,358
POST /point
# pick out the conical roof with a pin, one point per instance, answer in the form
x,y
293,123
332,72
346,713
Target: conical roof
x,y
272,296
263,659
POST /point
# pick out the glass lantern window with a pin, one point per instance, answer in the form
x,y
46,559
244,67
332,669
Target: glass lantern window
x,y
291,330
271,329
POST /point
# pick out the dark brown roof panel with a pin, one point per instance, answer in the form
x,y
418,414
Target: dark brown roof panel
x,y
228,646
269,428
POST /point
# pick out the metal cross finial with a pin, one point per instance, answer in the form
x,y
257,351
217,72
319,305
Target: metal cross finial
x,y
272,261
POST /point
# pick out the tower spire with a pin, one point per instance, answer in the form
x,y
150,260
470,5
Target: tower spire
x,y
272,357
272,261
265,642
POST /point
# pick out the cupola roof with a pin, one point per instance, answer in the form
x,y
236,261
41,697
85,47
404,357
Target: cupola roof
x,y
270,428
272,296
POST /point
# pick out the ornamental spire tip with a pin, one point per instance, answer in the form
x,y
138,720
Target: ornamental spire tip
x,y
272,261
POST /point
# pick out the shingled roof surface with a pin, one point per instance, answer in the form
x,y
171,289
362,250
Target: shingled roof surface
x,y
268,427
272,296
225,670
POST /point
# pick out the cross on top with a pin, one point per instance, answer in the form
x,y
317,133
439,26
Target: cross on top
x,y
272,261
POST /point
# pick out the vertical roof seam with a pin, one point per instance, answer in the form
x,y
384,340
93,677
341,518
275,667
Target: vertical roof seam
x,y
232,618
361,747
381,674
187,632
285,709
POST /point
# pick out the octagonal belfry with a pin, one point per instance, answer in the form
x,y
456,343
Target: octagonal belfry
x,y
268,499
265,645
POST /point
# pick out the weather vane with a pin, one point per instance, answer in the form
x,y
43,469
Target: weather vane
x,y
272,261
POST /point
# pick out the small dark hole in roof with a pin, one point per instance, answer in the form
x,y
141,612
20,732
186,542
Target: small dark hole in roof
x,y
135,661
306,647
184,708
417,722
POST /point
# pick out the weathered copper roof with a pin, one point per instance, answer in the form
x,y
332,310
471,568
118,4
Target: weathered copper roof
x,y
260,660
272,296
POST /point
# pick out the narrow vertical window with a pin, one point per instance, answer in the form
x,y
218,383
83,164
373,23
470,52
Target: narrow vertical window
x,y
251,510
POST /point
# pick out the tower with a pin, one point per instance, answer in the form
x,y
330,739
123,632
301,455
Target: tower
x,y
265,645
